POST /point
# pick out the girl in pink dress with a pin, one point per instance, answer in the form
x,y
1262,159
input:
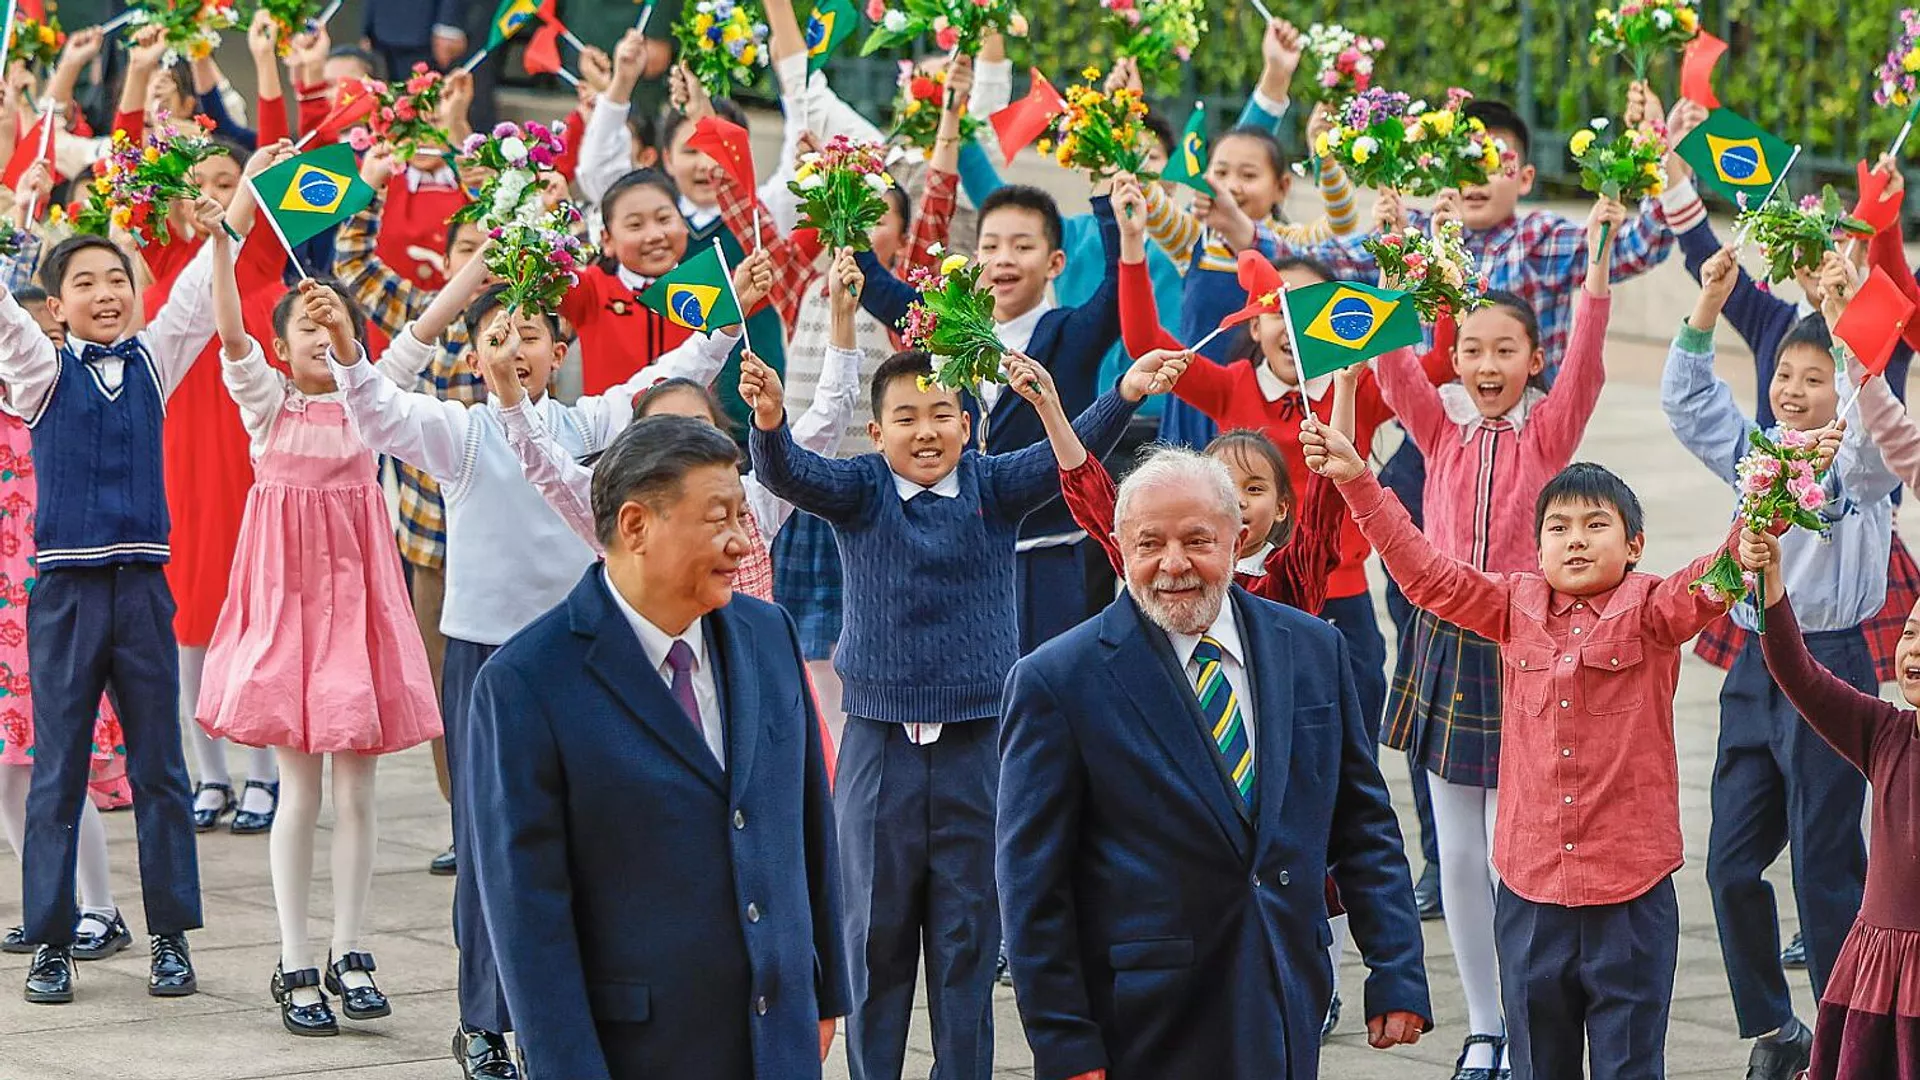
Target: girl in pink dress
x,y
316,652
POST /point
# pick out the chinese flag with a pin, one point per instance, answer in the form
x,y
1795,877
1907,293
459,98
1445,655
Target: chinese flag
x,y
26,150
1263,287
1696,69
1873,208
1874,321
1025,120
34,9
353,101
542,56
726,143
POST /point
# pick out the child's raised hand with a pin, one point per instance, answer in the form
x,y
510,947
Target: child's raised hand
x,y
1717,277
377,166
1446,207
1389,212
1130,209
1839,279
149,45
1643,105
208,214
1319,120
1607,217
1225,217
323,306
456,99
690,94
629,57
850,282
1826,445
1154,373
753,280
1758,551
1330,453
1281,48
267,157
499,348
760,388
263,36
596,71
82,47
959,82
1125,75
1889,167
1031,380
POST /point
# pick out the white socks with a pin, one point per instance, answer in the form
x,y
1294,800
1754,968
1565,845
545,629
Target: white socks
x,y
209,753
290,855
1463,819
91,879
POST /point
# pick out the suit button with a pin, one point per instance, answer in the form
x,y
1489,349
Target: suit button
x,y
1256,881
1285,878
739,820
760,1005
753,912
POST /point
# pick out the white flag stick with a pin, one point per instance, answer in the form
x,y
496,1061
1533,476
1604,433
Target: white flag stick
x,y
567,36
260,207
1264,13
12,10
727,272
1205,341
570,77
46,139
119,21
646,16
326,14
474,61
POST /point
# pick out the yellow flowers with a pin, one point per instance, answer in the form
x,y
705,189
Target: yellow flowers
x,y
952,263
150,155
1911,61
1688,21
1440,121
1090,73
1322,144
702,23
1581,140
1602,14
123,217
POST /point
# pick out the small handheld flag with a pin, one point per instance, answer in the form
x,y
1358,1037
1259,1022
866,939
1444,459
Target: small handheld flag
x,y
353,101
1874,321
728,144
1337,324
1188,163
1696,69
1020,123
508,19
1874,208
832,22
697,294
310,193
1735,155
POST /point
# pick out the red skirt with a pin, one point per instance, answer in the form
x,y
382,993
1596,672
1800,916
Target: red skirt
x,y
208,473
1869,1025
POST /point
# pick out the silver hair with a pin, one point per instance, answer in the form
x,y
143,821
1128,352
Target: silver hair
x,y
1177,466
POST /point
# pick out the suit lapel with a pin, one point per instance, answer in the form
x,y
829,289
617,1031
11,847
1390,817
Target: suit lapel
x,y
617,660
1270,675
1142,660
739,681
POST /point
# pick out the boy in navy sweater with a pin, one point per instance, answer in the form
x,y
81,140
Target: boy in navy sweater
x,y
102,616
926,531
1061,577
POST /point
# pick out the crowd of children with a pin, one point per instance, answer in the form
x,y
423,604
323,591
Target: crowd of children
x,y
201,437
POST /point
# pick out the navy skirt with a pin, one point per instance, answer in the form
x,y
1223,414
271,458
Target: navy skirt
x,y
1444,702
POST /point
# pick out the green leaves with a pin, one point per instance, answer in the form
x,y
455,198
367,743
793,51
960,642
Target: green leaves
x,y
1794,236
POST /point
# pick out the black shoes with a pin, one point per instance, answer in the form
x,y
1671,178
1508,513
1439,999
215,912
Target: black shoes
x,y
1003,971
96,938
249,823
1493,1072
15,942
208,820
1426,893
172,971
1332,1021
310,1021
444,864
50,977
358,1002
1794,956
1783,1056
483,1055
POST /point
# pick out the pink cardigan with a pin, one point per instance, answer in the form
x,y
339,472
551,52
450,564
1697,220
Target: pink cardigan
x,y
1479,498
1893,429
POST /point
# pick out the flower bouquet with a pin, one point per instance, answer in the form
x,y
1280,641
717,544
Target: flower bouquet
x,y
192,26
1451,149
534,248
1640,28
842,191
36,44
12,240
1436,272
1344,60
406,118
1795,236
954,24
512,154
1160,34
1101,132
1894,81
290,17
1369,139
136,183
1625,169
723,42
916,111
953,320
1778,489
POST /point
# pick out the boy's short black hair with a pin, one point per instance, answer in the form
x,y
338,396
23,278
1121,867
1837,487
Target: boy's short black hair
x,y
1032,199
53,269
644,124
366,59
225,146
1809,333
672,119
482,309
453,232
1308,263
913,364
897,198
1586,482
1162,129
30,294
1500,116
356,315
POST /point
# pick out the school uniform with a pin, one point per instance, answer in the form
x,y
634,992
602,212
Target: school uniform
x,y
1775,781
929,636
102,616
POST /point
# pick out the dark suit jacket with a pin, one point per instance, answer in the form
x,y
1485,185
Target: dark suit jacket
x,y
652,915
401,24
1157,927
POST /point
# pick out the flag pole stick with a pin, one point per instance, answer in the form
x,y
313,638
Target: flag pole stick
x,y
646,16
119,21
1262,9
474,61
327,13
260,208
1740,235
13,7
568,36
727,272
46,139
1906,128
1205,341
572,79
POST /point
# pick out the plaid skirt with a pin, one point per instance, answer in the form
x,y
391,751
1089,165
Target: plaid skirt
x,y
1443,706
806,581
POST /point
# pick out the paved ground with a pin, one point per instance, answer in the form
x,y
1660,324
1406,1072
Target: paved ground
x,y
231,1031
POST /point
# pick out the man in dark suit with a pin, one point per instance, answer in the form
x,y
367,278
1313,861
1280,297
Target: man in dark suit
x,y
1177,774
430,32
656,855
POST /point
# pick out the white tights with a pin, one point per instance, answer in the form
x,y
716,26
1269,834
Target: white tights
x,y
92,882
290,854
1463,819
209,753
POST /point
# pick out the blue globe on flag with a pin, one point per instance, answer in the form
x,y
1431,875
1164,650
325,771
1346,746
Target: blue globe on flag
x,y
687,308
1351,319
1740,162
318,190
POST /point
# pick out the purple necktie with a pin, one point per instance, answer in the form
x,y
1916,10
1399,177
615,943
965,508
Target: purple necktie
x,y
680,659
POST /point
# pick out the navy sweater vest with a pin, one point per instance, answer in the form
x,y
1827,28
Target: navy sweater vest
x,y
96,456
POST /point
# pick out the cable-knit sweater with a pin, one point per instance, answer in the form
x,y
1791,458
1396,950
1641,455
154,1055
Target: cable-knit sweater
x,y
930,628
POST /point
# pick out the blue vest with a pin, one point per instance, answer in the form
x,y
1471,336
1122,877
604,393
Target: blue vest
x,y
96,454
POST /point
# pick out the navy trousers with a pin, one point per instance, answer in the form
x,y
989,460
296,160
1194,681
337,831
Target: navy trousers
x,y
483,1004
1058,588
1366,653
916,859
1587,978
1776,783
89,631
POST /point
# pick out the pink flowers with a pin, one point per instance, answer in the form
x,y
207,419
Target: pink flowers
x,y
920,323
876,10
947,38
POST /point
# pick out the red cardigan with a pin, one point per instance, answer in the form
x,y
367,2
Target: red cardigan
x,y
416,219
1230,396
617,335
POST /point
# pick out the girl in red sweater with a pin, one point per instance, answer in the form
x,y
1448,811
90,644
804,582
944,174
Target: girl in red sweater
x,y
646,236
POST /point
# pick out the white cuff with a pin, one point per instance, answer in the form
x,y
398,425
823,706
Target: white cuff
x,y
451,33
1276,109
1682,205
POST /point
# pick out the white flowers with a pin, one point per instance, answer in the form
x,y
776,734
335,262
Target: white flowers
x,y
1663,18
507,195
895,21
879,182
812,182
514,150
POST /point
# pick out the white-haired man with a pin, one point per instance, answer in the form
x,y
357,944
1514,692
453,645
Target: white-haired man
x,y
1177,774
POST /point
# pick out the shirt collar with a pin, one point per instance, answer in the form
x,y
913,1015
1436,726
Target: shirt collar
x,y
1560,603
947,487
1254,565
1272,389
442,177
1017,333
1225,630
697,216
632,279
654,641
1462,411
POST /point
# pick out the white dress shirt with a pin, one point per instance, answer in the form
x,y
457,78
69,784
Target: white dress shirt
x,y
656,642
947,487
1272,389
1233,663
633,279
1016,334
442,177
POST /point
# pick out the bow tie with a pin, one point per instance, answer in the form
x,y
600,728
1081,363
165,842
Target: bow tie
x,y
1290,407
128,350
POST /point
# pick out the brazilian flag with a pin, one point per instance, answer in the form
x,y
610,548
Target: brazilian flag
x,y
309,194
696,294
1337,324
1188,162
508,19
832,22
1736,155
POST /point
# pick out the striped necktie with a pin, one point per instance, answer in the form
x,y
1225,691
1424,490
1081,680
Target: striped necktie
x,y
1220,706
